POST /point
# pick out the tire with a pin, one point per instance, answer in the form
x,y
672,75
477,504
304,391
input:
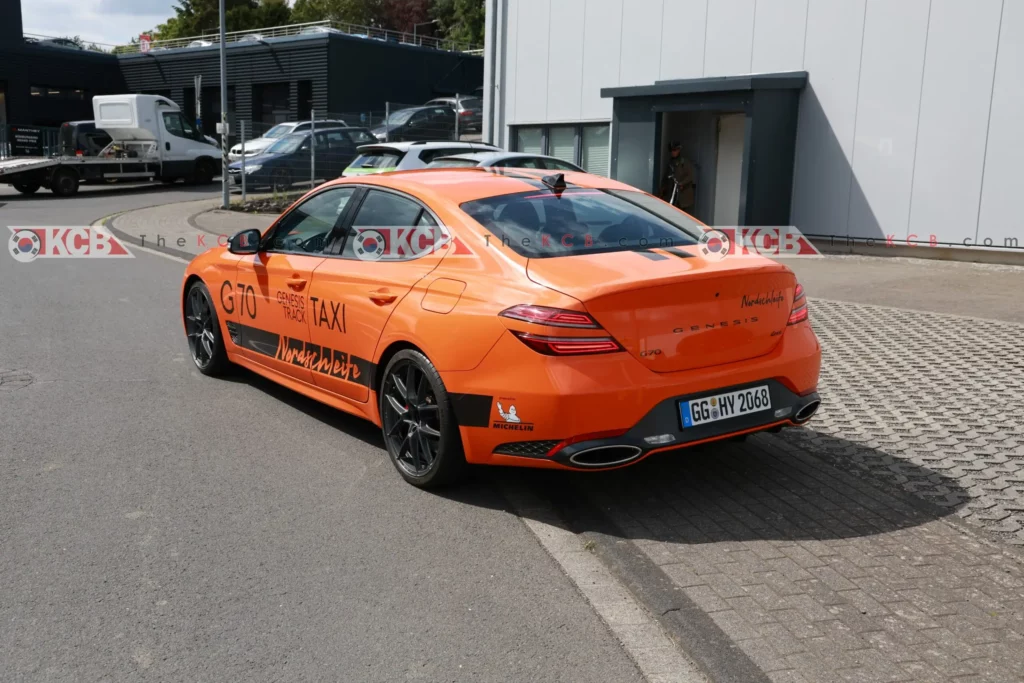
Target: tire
x,y
421,436
64,182
204,172
281,180
202,329
27,188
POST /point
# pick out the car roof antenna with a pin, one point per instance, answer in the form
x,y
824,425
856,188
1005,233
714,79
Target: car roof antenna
x,y
556,182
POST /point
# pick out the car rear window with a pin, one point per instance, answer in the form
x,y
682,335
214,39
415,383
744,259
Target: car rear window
x,y
361,137
377,160
544,224
453,163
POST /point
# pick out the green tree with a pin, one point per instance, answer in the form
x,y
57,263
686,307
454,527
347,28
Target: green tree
x,y
461,20
196,17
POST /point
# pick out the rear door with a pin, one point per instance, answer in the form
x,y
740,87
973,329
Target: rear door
x,y
272,286
354,293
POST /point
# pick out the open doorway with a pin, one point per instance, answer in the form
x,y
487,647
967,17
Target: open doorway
x,y
714,142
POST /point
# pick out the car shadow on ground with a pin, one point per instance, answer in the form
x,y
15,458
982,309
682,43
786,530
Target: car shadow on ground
x,y
110,190
764,488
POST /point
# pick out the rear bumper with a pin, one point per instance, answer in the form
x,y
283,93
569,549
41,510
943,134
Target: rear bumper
x,y
567,406
663,422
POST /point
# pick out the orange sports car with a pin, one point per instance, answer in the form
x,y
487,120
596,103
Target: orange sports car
x,y
508,317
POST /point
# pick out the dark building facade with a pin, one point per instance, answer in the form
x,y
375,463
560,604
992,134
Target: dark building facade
x,y
283,79
45,85
269,81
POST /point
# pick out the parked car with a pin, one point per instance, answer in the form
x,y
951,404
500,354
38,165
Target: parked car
x,y
200,43
287,161
82,138
418,123
252,38
469,109
502,159
404,156
258,145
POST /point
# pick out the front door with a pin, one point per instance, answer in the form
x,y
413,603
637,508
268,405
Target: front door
x,y
273,287
354,294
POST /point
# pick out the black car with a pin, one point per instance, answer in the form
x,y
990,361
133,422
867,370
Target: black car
x,y
288,161
82,138
469,109
418,123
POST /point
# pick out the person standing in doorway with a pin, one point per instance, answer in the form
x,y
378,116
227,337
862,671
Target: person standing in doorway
x,y
679,186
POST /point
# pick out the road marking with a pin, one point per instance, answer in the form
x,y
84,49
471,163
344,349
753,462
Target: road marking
x,y
643,638
136,247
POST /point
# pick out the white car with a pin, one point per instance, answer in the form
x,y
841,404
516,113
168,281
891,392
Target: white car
x,y
503,159
403,156
259,145
200,43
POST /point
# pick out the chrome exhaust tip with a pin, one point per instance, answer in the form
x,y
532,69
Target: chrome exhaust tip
x,y
807,412
605,456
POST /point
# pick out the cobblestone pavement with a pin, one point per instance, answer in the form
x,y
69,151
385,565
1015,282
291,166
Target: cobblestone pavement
x,y
903,391
829,554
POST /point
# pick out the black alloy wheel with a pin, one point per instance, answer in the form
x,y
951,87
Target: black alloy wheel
x,y
420,433
203,331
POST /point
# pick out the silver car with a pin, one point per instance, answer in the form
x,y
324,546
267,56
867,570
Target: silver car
x,y
503,159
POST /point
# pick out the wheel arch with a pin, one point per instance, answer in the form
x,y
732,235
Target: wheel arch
x,y
393,348
187,285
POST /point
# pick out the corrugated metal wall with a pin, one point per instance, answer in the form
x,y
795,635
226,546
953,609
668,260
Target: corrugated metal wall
x,y
347,74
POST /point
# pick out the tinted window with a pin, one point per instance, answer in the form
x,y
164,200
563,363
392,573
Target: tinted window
x,y
174,124
287,144
454,163
377,160
378,211
360,137
306,227
428,155
520,162
559,165
541,224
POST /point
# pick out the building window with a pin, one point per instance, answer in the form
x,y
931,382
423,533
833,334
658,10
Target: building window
x,y
585,145
57,93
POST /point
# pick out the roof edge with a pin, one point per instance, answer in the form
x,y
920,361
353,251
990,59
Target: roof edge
x,y
785,80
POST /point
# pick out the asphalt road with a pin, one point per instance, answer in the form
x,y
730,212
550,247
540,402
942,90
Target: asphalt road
x,y
157,524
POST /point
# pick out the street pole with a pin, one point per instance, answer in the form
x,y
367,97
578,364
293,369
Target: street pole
x,y
225,190
242,174
312,148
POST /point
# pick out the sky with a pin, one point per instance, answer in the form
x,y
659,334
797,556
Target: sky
x,y
99,21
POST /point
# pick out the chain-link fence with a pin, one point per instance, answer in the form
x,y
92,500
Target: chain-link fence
x,y
289,155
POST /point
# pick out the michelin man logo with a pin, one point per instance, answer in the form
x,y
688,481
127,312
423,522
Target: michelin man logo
x,y
510,416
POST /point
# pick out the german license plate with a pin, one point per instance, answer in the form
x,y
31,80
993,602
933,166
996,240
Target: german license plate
x,y
724,406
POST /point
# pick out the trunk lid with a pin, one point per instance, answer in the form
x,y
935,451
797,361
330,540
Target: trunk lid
x,y
675,310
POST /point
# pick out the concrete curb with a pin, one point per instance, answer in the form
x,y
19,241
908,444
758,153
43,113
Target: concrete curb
x,y
109,223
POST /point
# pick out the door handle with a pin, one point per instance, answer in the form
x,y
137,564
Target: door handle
x,y
296,283
382,297
167,145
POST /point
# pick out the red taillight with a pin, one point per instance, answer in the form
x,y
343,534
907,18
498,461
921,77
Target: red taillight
x,y
568,346
556,317
465,112
799,312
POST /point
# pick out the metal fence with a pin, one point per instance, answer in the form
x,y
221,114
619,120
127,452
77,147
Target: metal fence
x,y
317,27
270,157
31,141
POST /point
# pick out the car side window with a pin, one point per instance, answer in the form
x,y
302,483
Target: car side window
x,y
306,228
378,221
520,162
556,165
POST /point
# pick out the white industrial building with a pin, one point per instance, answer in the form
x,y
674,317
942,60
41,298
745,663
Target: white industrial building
x,y
847,118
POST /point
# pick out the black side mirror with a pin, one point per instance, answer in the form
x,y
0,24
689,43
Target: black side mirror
x,y
245,242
